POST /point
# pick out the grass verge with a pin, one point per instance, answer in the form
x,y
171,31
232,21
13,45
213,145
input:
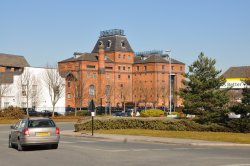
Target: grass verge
x,y
209,136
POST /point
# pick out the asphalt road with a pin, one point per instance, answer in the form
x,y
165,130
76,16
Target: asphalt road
x,y
76,151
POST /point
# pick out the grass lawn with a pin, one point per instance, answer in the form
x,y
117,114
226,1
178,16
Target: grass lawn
x,y
210,136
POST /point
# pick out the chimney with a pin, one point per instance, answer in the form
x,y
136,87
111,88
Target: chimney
x,y
101,59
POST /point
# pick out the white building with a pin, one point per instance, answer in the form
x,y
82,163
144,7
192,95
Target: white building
x,y
39,97
235,80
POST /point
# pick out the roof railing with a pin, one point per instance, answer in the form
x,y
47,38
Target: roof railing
x,y
112,32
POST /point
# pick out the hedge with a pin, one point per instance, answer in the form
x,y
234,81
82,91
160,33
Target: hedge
x,y
79,113
153,124
152,113
12,112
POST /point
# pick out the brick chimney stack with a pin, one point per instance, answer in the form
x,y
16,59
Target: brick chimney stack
x,y
101,59
101,73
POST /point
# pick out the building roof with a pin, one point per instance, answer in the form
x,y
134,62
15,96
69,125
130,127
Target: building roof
x,y
238,72
13,60
154,58
93,57
116,42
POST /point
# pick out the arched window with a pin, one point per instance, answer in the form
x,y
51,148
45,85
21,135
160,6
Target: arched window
x,y
109,43
92,90
100,43
122,43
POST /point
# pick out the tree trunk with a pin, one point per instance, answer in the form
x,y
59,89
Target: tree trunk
x,y
75,110
124,106
53,111
27,104
0,101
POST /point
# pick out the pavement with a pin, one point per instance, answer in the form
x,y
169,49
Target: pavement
x,y
132,138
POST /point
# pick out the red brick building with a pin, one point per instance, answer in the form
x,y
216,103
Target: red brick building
x,y
112,75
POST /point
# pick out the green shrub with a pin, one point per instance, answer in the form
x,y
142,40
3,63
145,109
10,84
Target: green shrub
x,y
79,113
151,113
154,124
175,113
239,125
12,112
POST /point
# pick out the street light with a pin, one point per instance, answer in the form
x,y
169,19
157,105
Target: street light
x,y
170,86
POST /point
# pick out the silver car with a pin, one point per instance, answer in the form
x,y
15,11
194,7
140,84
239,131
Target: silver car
x,y
34,131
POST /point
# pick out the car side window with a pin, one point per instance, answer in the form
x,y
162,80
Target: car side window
x,y
17,124
22,124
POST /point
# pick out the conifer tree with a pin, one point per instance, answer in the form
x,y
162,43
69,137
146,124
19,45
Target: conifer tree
x,y
202,94
243,108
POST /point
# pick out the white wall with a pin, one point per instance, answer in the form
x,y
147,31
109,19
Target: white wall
x,y
13,96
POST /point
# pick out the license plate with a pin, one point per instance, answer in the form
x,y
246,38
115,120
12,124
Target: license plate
x,y
43,134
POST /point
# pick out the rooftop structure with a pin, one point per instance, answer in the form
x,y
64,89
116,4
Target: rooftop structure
x,y
10,60
112,32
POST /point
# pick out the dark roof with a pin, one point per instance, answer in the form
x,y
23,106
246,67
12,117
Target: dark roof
x,y
13,60
67,73
155,58
238,72
85,57
116,44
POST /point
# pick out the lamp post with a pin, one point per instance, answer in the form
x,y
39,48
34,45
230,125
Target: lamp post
x,y
170,81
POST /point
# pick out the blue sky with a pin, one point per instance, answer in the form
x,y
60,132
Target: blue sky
x,y
48,31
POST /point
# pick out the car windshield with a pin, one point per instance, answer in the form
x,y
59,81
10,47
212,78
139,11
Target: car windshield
x,y
41,123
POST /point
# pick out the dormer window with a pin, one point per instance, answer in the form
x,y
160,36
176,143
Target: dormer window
x,y
109,44
122,43
100,43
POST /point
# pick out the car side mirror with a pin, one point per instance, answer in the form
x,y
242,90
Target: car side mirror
x,y
12,127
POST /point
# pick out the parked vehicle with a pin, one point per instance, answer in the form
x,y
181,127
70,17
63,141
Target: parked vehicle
x,y
69,109
34,131
232,115
123,114
48,113
32,112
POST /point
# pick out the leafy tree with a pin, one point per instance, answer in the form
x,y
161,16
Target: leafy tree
x,y
202,94
243,108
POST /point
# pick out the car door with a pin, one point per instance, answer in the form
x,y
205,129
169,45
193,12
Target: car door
x,y
14,132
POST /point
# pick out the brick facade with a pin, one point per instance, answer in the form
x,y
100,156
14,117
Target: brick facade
x,y
112,74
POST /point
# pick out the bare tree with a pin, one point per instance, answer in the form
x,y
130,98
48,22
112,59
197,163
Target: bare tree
x,y
164,95
79,88
26,83
35,94
124,93
55,85
108,95
4,88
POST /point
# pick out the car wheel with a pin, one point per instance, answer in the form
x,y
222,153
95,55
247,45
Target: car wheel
x,y
54,146
19,146
10,143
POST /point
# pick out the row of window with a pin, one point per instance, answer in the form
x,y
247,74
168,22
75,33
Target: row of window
x,y
162,67
92,91
109,68
109,43
152,96
123,67
124,56
8,68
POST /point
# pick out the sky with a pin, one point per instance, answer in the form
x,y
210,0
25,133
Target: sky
x,y
48,31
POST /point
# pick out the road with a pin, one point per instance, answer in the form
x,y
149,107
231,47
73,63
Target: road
x,y
78,151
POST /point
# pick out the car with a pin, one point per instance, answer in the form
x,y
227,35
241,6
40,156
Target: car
x,y
31,111
34,131
232,115
48,113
